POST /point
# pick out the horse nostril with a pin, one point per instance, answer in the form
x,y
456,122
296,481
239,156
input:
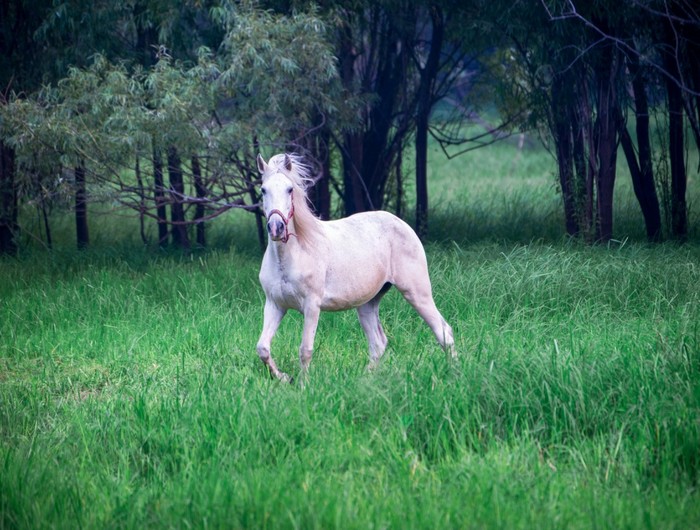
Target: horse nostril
x,y
275,228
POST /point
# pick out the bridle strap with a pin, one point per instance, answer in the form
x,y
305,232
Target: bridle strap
x,y
285,219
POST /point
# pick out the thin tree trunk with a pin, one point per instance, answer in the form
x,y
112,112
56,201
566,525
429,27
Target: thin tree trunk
x,y
641,168
201,193
81,224
320,193
8,201
259,216
353,161
653,229
322,187
427,80
352,141
606,136
255,199
689,55
146,36
676,148
576,118
177,192
565,163
142,195
679,214
579,185
585,161
47,226
421,176
561,125
399,181
159,195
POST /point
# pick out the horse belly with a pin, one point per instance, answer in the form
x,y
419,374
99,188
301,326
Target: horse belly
x,y
352,283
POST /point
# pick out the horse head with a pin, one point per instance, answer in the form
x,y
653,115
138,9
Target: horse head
x,y
278,196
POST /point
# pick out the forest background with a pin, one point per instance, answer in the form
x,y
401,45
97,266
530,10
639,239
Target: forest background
x,y
158,108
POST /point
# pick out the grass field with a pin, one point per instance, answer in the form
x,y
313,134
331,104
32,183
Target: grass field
x,y
131,395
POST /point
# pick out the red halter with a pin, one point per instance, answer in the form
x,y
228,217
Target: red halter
x,y
286,220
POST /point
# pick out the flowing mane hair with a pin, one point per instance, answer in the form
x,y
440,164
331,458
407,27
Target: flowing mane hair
x,y
305,221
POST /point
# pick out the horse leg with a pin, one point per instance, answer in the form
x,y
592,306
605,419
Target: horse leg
x,y
369,319
420,297
306,349
272,316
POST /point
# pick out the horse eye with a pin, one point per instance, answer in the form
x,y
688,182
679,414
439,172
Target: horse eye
x,y
289,190
263,191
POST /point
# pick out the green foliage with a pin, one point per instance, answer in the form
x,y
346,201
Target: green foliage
x,y
279,73
267,56
267,84
221,80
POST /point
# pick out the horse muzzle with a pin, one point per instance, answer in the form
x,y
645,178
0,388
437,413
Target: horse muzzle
x,y
276,228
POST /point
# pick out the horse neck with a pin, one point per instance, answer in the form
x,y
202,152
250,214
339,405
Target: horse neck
x,y
305,234
307,227
283,252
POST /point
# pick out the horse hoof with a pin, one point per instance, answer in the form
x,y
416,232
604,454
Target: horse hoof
x,y
372,366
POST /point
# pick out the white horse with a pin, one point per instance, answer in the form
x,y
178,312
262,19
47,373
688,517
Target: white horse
x,y
312,265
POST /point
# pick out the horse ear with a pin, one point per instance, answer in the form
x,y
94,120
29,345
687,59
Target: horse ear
x,y
262,165
287,162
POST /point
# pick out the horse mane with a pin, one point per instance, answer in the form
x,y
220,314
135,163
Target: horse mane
x,y
306,224
300,173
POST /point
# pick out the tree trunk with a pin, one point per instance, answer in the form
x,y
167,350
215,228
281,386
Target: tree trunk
x,y
384,45
688,53
565,164
142,197
352,141
8,201
642,170
421,176
159,195
606,139
353,182
201,193
47,226
568,125
259,216
256,199
428,75
398,175
380,138
146,36
320,194
562,124
584,158
81,224
177,193
679,214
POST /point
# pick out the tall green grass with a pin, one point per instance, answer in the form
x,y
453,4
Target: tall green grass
x,y
131,395
506,194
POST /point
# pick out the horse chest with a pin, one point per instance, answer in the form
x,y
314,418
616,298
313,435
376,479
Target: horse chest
x,y
289,286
